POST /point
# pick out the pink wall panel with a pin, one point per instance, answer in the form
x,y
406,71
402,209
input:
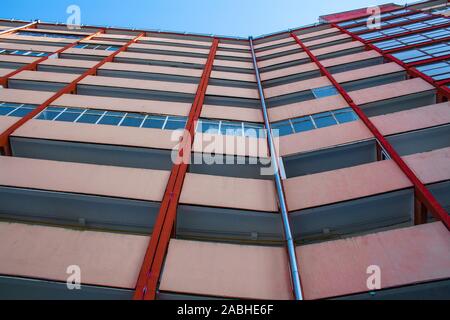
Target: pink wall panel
x,y
226,270
405,256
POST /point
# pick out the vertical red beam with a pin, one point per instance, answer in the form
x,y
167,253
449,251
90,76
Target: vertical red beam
x,y
422,192
70,88
33,66
147,283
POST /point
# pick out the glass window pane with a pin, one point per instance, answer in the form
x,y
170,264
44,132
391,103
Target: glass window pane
x,y
345,115
110,120
21,112
282,129
324,91
132,120
174,123
154,122
324,119
69,116
88,118
303,124
48,114
4,110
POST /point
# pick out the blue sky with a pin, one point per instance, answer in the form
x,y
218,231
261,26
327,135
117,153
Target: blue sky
x,y
220,17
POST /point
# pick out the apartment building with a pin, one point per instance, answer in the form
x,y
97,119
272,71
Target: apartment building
x,y
355,122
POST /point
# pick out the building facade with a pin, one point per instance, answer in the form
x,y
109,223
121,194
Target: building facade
x,y
314,163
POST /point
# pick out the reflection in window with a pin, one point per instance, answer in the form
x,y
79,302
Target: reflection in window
x,y
438,71
315,121
112,118
15,109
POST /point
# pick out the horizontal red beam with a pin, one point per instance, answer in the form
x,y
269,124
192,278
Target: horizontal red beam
x,y
70,88
149,275
33,66
428,199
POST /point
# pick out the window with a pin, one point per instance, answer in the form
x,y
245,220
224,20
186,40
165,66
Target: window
x,y
417,54
48,35
345,115
315,121
405,28
282,128
23,53
15,109
233,128
413,39
112,118
438,71
324,92
155,122
324,119
97,47
302,124
174,123
132,120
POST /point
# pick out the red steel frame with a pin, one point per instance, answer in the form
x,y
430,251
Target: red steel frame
x,y
70,88
421,192
147,283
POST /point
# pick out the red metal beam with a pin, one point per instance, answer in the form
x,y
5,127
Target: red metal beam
x,y
423,193
70,88
33,66
147,283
